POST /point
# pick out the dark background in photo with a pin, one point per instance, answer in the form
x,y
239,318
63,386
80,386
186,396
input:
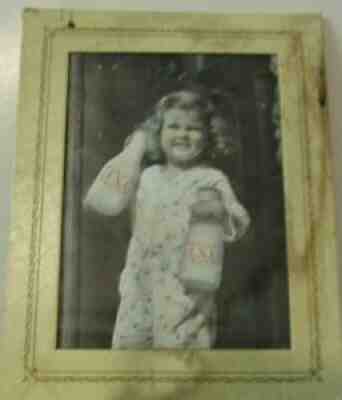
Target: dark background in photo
x,y
109,95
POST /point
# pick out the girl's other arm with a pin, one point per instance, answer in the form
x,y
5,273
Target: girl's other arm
x,y
237,219
208,205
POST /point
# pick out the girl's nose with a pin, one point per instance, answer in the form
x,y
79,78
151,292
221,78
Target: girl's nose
x,y
182,132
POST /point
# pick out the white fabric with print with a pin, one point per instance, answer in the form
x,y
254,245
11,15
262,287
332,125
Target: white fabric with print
x,y
157,310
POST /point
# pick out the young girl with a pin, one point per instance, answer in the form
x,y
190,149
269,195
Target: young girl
x,y
160,308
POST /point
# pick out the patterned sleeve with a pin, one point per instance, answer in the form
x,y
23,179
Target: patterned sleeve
x,y
116,184
237,219
114,187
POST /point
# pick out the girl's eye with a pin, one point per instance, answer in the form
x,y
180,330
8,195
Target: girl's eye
x,y
194,129
172,126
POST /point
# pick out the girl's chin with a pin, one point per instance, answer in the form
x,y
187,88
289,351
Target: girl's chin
x,y
184,161
183,155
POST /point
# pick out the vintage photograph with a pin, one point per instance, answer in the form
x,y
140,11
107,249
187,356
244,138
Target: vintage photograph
x,y
174,229
173,211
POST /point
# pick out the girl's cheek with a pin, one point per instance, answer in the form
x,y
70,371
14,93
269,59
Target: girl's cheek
x,y
199,136
165,136
201,140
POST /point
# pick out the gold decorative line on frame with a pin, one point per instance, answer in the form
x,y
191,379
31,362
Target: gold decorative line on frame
x,y
179,31
170,378
33,278
34,259
312,250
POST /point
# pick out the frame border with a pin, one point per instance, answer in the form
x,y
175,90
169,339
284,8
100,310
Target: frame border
x,y
68,22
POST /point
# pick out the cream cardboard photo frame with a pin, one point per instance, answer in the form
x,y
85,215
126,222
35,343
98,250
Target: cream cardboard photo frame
x,y
32,365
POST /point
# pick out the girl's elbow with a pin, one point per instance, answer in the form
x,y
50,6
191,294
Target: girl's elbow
x,y
245,224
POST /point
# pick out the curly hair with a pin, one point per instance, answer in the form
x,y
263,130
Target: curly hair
x,y
218,142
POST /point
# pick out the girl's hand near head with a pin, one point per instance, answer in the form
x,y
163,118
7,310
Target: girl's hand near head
x,y
137,139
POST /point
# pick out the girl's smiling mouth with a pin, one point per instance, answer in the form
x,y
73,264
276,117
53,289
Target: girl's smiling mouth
x,y
181,143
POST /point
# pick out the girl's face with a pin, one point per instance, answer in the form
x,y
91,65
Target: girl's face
x,y
183,136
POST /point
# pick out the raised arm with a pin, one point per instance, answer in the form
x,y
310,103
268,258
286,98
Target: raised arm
x,y
114,187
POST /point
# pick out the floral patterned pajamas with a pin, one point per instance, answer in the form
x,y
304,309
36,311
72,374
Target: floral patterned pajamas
x,y
156,309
